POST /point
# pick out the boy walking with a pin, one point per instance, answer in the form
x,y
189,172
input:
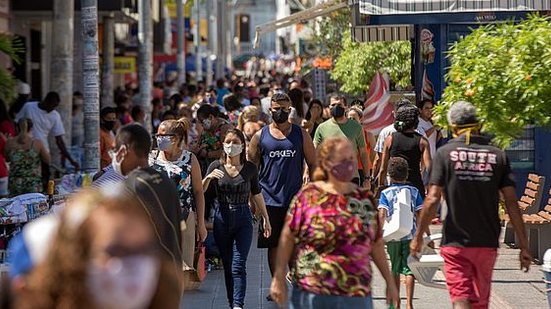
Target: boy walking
x,y
399,250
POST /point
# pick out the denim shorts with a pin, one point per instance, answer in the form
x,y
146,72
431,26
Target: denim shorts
x,y
301,299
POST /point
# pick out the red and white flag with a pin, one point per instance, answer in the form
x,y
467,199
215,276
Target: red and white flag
x,y
377,108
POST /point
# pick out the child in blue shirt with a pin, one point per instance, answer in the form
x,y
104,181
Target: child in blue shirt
x,y
399,250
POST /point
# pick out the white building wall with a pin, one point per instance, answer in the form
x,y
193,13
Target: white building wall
x,y
260,12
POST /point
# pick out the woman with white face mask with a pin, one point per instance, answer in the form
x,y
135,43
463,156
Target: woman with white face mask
x,y
104,255
236,182
173,159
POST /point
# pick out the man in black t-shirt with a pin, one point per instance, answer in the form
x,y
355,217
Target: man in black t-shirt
x,y
471,174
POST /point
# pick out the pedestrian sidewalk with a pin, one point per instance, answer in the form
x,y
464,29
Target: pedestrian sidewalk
x,y
511,288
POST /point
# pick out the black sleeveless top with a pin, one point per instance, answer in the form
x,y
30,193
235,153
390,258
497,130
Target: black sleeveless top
x,y
407,146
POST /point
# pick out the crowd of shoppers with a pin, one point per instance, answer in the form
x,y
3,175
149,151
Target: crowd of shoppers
x,y
220,158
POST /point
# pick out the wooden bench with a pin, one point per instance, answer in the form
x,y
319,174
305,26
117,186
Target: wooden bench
x,y
528,204
538,228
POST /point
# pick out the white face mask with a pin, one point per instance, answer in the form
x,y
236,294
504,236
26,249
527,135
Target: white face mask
x,y
117,164
125,283
233,150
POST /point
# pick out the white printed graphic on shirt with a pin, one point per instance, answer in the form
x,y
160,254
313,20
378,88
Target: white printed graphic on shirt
x,y
473,164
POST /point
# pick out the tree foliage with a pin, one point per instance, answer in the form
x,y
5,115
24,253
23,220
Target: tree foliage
x,y
328,34
504,70
10,48
357,63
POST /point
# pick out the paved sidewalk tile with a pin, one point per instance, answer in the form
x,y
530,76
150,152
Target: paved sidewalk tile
x,y
511,288
212,293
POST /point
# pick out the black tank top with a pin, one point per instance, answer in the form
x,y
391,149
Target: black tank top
x,y
407,146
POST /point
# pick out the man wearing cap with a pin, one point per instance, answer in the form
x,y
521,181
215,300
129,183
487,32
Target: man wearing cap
x,y
472,174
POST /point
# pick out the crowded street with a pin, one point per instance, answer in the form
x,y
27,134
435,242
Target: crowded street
x,y
301,154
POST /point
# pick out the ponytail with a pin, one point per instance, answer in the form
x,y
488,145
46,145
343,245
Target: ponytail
x,y
24,125
241,121
185,125
178,127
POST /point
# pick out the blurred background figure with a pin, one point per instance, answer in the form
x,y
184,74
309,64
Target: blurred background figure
x,y
249,121
26,155
298,107
314,116
355,113
77,125
108,118
104,254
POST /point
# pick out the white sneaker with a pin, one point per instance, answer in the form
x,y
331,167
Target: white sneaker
x,y
237,307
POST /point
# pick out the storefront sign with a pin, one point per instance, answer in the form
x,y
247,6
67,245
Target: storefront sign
x,y
125,65
171,6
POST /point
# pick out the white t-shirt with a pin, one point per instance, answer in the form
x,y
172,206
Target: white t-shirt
x,y
422,128
44,123
385,132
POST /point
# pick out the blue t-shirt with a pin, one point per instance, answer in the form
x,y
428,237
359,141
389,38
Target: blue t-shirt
x,y
281,166
390,195
220,94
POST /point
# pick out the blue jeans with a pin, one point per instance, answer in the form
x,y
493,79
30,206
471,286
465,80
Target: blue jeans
x,y
301,299
233,233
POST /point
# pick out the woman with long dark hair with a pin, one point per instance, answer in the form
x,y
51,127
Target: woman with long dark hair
x,y
314,116
236,182
408,144
297,106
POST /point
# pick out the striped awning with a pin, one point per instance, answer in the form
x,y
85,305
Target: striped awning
x,y
395,7
382,33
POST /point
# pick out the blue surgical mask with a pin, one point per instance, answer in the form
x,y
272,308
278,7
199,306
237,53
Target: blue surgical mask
x,y
164,143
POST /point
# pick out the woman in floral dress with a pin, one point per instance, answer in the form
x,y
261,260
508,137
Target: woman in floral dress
x,y
25,155
332,234
180,165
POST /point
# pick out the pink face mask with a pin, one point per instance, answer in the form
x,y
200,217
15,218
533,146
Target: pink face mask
x,y
343,171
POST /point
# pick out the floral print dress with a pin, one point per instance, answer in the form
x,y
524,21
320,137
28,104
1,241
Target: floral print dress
x,y
180,172
25,171
333,239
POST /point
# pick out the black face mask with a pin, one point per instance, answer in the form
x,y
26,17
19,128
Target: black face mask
x,y
108,125
337,111
280,116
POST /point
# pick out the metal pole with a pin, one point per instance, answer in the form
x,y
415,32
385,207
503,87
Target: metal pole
x,y
145,39
197,37
90,83
61,74
220,35
229,38
107,91
181,40
209,43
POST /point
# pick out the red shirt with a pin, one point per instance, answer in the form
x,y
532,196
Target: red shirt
x,y
3,166
7,128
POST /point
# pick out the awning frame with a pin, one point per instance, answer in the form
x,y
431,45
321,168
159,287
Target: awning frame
x,y
319,10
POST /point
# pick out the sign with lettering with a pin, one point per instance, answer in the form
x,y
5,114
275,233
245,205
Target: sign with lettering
x,y
125,65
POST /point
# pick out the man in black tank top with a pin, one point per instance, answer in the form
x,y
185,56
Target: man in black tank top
x,y
408,144
275,153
